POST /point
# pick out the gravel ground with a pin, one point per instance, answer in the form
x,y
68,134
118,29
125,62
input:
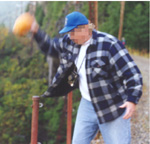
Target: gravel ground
x,y
140,120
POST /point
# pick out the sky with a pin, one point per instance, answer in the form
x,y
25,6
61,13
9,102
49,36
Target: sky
x,y
10,10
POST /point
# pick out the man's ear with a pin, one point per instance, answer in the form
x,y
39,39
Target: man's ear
x,y
91,26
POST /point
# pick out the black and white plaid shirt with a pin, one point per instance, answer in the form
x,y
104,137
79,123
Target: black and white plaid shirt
x,y
112,75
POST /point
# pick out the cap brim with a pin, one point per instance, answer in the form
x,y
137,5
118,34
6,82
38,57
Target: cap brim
x,y
67,29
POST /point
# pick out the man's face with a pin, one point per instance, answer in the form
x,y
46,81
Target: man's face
x,y
80,34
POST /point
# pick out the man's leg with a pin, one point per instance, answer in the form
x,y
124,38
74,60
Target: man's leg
x,y
86,125
117,131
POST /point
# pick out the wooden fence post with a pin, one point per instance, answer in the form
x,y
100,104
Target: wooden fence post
x,y
121,19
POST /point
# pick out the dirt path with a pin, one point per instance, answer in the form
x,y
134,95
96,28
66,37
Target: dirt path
x,y
140,120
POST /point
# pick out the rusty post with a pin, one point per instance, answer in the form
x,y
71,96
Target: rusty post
x,y
69,118
35,115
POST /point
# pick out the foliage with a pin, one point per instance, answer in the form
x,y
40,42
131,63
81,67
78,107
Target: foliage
x,y
54,12
136,22
22,76
39,14
111,18
136,25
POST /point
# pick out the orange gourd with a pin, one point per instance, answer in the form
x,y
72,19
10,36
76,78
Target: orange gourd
x,y
23,24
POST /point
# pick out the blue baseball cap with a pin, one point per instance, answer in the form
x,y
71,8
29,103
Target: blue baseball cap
x,y
73,20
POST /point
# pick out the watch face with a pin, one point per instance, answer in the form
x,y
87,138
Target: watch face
x,y
72,78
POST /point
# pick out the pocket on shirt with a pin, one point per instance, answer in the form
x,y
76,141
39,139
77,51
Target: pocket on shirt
x,y
99,68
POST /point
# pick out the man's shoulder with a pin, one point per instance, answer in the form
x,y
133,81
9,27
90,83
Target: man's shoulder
x,y
104,37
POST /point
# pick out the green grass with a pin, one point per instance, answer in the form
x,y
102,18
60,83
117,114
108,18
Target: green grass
x,y
136,52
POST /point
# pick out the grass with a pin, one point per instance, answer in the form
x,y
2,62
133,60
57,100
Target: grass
x,y
136,52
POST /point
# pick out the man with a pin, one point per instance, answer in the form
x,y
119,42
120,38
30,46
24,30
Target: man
x,y
109,80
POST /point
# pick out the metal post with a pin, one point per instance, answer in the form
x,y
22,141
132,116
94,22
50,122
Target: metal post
x,y
69,118
35,115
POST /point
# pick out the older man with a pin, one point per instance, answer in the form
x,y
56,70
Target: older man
x,y
109,81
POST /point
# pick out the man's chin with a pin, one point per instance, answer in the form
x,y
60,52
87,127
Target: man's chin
x,y
78,42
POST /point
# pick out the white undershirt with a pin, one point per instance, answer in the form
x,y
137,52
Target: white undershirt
x,y
82,72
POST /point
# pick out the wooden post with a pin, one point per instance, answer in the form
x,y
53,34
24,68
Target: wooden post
x,y
93,12
96,14
35,115
69,118
121,19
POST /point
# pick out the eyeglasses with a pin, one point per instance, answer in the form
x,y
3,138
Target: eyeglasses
x,y
78,29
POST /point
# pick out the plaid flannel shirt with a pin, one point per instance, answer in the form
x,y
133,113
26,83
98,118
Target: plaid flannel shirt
x,y
112,75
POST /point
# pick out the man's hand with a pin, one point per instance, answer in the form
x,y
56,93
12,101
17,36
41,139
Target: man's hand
x,y
130,108
34,26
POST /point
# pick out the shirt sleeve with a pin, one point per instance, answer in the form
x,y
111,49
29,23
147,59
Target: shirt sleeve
x,y
47,45
127,69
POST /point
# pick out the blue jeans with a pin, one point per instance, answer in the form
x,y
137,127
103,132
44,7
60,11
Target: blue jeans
x,y
87,125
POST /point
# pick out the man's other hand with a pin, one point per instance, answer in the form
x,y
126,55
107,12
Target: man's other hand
x,y
130,108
